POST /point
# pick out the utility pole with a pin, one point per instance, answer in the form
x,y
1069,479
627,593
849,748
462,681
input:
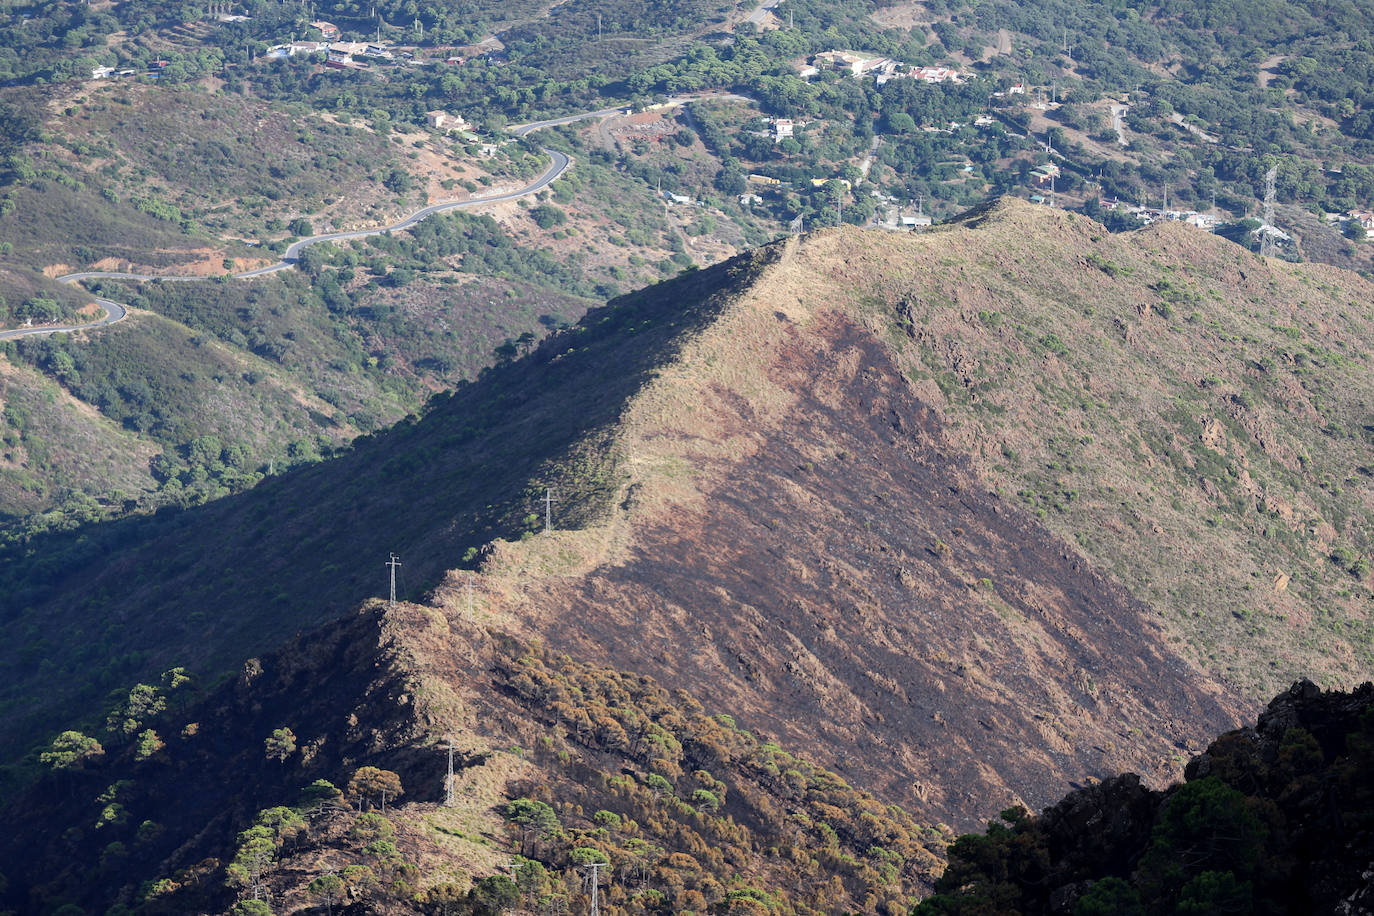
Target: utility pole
x,y
598,27
393,563
593,866
469,595
548,509
449,799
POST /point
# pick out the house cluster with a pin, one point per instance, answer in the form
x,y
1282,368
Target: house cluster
x,y
296,47
935,75
442,120
1207,221
784,128
1044,175
881,69
154,70
1363,218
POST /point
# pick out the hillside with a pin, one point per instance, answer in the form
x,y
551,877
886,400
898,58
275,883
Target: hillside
x,y
739,455
233,796
207,587
1273,818
791,616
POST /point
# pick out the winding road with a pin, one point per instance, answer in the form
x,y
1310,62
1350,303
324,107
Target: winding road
x,y
558,164
114,312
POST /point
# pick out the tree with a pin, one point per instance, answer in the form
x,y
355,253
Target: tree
x,y
328,888
369,781
705,800
301,226
148,745
256,851
546,216
143,702
71,750
280,745
901,123
730,180
494,895
445,899
537,819
1109,897
252,907
284,823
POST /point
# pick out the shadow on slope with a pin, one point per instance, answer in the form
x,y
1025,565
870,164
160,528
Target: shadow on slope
x,y
849,585
94,609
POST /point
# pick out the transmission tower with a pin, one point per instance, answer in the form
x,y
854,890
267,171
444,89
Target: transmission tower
x,y
449,799
593,866
1267,230
548,509
393,563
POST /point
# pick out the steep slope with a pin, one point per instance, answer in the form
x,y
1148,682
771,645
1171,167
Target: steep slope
x,y
56,447
767,495
1272,819
685,809
799,540
207,587
1192,417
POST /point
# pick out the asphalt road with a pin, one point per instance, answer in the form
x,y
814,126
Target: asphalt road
x,y
558,164
114,311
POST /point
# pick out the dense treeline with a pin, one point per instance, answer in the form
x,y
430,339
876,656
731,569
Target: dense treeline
x,y
1271,820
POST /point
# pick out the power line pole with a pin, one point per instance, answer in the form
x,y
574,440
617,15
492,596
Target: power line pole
x,y
449,799
548,509
393,563
469,595
596,883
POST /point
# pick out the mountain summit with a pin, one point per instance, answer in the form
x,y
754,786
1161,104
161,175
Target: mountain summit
x,y
964,516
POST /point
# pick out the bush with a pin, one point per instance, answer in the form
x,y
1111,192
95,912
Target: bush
x,y
546,216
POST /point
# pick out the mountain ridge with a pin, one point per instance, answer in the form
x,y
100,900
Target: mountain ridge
x,y
802,389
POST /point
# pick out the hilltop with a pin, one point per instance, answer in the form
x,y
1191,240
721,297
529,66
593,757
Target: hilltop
x,y
954,516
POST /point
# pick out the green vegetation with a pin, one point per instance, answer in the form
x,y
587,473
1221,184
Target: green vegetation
x,y
619,775
1244,834
466,472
